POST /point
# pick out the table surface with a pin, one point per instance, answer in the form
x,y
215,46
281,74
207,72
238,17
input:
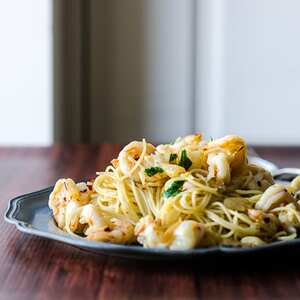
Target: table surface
x,y
37,268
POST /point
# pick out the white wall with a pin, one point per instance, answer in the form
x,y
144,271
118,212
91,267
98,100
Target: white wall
x,y
25,72
146,55
249,69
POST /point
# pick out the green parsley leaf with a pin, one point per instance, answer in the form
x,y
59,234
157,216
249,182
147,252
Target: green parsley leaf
x,y
173,158
174,189
184,160
153,170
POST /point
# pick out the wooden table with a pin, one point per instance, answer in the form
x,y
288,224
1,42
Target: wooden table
x,y
36,268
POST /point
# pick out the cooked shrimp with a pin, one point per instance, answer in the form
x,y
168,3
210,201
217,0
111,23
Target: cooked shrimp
x,y
166,149
274,196
187,235
189,142
98,227
91,216
218,167
289,217
168,214
130,156
115,231
192,144
198,158
233,146
261,179
268,222
72,216
66,191
252,241
225,156
149,233
294,186
179,236
172,170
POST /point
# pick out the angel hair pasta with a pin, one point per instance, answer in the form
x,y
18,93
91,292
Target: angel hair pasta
x,y
192,193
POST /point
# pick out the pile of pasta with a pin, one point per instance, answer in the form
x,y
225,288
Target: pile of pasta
x,y
188,194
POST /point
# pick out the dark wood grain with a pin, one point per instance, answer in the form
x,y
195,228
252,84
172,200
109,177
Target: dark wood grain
x,y
36,268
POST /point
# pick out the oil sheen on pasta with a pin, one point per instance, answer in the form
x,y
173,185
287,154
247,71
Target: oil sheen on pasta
x,y
188,194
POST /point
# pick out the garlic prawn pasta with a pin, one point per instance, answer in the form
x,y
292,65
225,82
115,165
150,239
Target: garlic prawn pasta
x,y
189,194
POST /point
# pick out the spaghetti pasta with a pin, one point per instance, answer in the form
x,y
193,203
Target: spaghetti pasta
x,y
189,194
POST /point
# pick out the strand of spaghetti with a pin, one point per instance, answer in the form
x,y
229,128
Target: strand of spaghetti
x,y
254,199
235,221
151,199
228,235
109,169
158,198
246,192
126,203
223,209
248,179
148,203
142,177
139,161
182,210
194,198
139,200
205,201
200,219
288,237
184,199
230,226
204,187
242,217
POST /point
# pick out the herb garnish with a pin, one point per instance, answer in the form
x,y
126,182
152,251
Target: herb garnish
x,y
173,157
174,189
184,160
153,170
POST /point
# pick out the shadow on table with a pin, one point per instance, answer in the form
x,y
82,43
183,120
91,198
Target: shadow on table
x,y
280,260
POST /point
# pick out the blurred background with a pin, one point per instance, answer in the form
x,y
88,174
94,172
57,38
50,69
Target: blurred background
x,y
91,71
